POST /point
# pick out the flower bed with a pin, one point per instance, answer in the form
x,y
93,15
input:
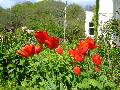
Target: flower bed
x,y
44,63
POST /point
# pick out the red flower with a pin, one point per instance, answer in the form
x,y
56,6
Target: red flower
x,y
73,52
77,55
76,70
96,60
83,47
24,54
41,36
59,50
91,43
26,51
38,49
52,43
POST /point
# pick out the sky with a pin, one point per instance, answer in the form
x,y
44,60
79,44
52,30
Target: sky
x,y
9,3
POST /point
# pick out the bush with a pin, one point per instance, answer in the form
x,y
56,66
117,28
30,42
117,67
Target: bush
x,y
49,70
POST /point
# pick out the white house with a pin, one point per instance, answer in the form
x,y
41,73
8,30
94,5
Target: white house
x,y
89,26
108,9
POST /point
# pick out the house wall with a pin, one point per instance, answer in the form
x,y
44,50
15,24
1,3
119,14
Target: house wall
x,y
116,5
116,14
105,6
105,13
108,9
89,16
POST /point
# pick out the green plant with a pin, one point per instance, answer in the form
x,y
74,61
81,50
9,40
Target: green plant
x,y
49,70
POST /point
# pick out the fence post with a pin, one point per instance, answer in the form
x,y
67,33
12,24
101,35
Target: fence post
x,y
65,22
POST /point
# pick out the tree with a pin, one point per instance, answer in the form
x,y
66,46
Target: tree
x,y
47,15
20,13
75,22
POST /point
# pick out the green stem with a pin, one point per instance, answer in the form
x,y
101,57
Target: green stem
x,y
96,20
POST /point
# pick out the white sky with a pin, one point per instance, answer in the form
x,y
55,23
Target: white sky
x,y
9,3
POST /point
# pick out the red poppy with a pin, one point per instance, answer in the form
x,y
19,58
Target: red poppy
x,y
24,54
96,59
78,57
73,52
96,68
86,45
52,43
59,50
41,36
91,43
76,70
83,47
38,49
30,49
26,51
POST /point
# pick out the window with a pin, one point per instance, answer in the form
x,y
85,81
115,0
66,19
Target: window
x,y
91,24
91,28
91,31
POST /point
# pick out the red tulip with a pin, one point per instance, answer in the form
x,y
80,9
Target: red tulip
x,y
78,57
76,70
96,60
38,49
83,47
59,50
41,36
73,52
26,51
24,54
91,43
52,43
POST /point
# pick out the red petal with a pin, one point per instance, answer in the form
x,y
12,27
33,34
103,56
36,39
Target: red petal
x,y
78,58
91,43
76,70
23,54
30,49
96,59
83,47
52,43
41,36
59,50
38,49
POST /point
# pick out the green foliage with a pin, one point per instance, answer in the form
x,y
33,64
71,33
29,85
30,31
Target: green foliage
x,y
46,15
48,70
52,71
112,27
95,19
75,22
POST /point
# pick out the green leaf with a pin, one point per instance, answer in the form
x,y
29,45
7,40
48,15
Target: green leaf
x,y
68,79
61,86
102,78
1,68
10,70
9,66
52,85
93,82
110,84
